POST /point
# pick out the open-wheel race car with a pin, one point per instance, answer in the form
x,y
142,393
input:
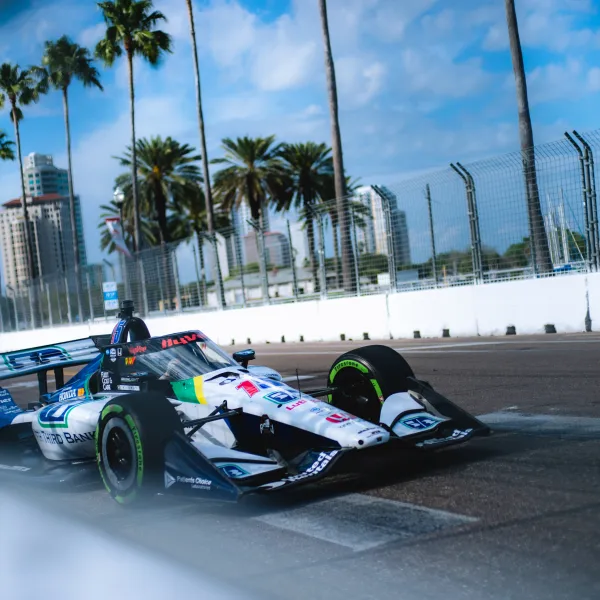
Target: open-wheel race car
x,y
176,413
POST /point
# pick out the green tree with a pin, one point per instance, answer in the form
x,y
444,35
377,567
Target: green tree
x,y
309,169
6,147
253,173
131,29
167,174
62,62
338,161
20,88
149,228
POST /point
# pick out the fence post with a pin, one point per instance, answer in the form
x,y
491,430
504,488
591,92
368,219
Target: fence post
x,y
321,253
49,300
89,290
473,220
69,315
237,244
432,235
1,315
355,250
588,158
198,289
293,261
589,237
176,277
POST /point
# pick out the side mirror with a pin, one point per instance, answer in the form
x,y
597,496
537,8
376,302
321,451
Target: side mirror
x,y
243,357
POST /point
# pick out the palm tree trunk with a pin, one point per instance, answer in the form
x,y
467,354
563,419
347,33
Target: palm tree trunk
x,y
74,233
205,172
136,199
534,209
338,162
33,296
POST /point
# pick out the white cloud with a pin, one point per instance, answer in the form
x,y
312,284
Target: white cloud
x,y
593,79
556,81
359,80
90,36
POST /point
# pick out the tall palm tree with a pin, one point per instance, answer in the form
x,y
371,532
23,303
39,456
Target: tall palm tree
x,y
131,29
6,147
210,214
167,173
534,207
254,174
310,170
338,161
21,88
62,62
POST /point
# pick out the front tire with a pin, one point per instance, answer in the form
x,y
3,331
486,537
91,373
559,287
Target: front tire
x,y
365,377
130,440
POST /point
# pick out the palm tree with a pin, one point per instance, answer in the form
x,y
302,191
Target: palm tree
x,y
131,29
62,62
148,228
20,88
254,174
167,172
338,162
6,150
310,170
210,215
534,207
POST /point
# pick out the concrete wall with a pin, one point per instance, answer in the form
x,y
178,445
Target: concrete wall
x,y
465,311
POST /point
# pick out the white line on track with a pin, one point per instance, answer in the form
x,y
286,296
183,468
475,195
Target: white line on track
x,y
559,425
361,522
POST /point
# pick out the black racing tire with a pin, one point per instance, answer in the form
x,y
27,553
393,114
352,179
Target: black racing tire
x,y
365,377
131,435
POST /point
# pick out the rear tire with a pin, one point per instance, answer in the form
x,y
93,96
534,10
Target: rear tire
x,y
131,435
365,377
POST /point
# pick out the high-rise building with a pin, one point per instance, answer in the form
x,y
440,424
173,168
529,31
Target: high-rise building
x,y
240,217
277,249
372,231
43,178
51,234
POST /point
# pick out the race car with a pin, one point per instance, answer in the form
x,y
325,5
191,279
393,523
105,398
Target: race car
x,y
177,414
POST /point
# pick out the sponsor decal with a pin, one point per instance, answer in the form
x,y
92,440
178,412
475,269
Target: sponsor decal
x,y
106,380
320,463
56,415
347,424
129,360
7,404
293,406
248,387
81,392
67,395
228,380
337,418
234,471
177,341
420,422
76,438
169,480
137,349
116,334
347,363
368,429
129,388
282,396
33,358
267,382
198,483
49,438
319,410
457,434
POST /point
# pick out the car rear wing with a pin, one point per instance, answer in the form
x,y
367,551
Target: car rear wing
x,y
52,357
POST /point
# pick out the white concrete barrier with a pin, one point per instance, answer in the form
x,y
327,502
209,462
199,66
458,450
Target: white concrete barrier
x,y
465,311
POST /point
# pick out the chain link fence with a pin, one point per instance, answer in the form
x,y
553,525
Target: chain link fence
x,y
517,216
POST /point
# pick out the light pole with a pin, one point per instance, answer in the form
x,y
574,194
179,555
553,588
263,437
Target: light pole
x,y
119,198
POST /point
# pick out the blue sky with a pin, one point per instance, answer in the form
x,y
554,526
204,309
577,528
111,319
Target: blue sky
x,y
421,82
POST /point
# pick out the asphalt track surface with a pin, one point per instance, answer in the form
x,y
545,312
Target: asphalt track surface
x,y
514,515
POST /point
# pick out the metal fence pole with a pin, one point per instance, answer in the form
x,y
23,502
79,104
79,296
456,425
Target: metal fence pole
x,y
1,316
176,277
240,261
198,291
588,158
49,300
293,261
321,252
589,239
14,302
355,250
160,286
89,291
432,234
473,220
